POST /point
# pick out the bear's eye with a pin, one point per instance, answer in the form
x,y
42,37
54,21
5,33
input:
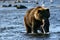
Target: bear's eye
x,y
39,11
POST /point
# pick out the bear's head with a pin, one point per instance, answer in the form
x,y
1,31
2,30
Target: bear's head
x,y
41,13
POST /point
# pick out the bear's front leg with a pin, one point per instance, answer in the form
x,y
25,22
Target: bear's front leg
x,y
47,25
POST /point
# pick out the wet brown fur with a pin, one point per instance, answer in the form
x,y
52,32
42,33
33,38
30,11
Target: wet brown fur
x,y
33,23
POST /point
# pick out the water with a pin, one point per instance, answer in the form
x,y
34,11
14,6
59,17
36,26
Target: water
x,y
12,24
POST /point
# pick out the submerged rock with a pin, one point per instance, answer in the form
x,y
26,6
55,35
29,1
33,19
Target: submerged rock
x,y
7,5
21,7
15,6
4,5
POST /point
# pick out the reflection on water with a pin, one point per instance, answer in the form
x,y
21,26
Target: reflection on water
x,y
12,24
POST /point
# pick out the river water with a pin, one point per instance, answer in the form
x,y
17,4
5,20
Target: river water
x,y
12,24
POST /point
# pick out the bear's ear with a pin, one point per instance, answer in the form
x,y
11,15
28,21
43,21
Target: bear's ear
x,y
39,11
47,13
47,9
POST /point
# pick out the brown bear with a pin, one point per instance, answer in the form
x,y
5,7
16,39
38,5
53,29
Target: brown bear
x,y
37,18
